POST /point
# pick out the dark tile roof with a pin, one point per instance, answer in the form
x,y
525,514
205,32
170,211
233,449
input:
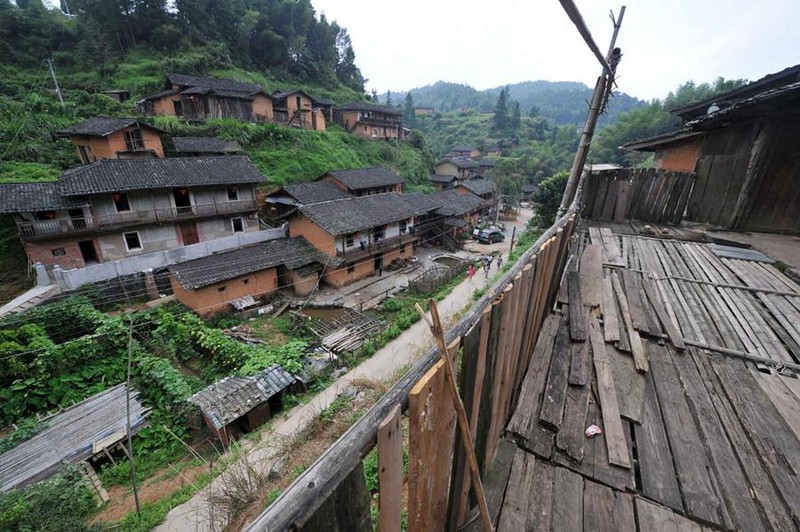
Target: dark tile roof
x,y
479,186
484,163
529,188
156,96
361,178
463,147
33,197
442,178
292,252
315,192
349,215
281,95
455,203
101,126
445,202
461,162
113,175
363,106
184,80
204,145
233,397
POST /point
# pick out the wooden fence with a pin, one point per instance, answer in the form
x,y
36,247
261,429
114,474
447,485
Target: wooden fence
x,y
645,194
496,339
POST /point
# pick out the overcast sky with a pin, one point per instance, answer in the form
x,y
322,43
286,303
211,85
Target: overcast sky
x,y
488,43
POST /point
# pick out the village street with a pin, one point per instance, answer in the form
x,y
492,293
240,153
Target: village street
x,y
198,514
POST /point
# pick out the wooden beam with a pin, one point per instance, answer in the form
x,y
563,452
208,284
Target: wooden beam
x,y
390,472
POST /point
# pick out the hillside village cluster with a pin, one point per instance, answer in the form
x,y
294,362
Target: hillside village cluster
x,y
138,202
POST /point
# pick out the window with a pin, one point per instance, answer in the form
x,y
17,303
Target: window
x,y
402,248
134,140
222,288
83,151
349,240
178,108
132,241
403,226
58,252
379,233
237,224
121,202
351,268
233,194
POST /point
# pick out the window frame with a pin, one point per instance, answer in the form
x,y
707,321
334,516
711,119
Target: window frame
x,y
127,202
138,237
235,190
233,225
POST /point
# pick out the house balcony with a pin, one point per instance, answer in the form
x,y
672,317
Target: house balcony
x,y
42,229
374,248
371,121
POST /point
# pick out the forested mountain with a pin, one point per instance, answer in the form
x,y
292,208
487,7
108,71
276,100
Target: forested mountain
x,y
283,37
564,102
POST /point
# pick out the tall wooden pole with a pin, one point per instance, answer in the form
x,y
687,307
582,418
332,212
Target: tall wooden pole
x,y
601,90
461,414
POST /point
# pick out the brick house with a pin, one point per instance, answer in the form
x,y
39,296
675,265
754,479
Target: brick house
x,y
299,109
464,150
113,138
460,167
443,181
370,121
289,198
200,98
483,188
116,208
211,284
365,181
366,233
445,215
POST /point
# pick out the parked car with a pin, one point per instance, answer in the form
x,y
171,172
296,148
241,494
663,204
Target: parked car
x,y
490,236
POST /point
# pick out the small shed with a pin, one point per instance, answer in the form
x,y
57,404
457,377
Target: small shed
x,y
83,431
237,405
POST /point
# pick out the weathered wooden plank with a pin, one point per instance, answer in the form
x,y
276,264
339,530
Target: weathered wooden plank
x,y
741,512
347,509
611,247
610,314
655,458
390,472
555,390
514,513
666,321
764,490
431,428
567,501
634,295
494,485
654,518
692,465
570,438
639,356
577,314
607,509
629,384
541,498
591,274
580,367
615,438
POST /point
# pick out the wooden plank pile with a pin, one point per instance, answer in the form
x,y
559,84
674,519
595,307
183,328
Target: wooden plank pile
x,y
346,332
703,439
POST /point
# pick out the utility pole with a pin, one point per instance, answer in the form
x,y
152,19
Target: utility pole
x,y
599,98
55,80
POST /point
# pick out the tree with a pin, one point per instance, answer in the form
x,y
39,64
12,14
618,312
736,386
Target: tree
x,y
516,118
375,98
501,112
389,101
409,117
534,112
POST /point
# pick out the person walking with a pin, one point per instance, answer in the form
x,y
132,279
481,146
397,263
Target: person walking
x,y
471,272
499,262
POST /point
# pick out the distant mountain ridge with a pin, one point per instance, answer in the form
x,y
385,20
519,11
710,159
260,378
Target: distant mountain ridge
x,y
564,102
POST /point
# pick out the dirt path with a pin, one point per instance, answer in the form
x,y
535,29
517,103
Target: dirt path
x,y
197,515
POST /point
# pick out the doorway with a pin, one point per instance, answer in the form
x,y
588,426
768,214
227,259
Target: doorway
x,y
189,233
88,252
377,263
183,200
77,219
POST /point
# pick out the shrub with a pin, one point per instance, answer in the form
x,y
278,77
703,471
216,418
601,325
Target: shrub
x,y
547,198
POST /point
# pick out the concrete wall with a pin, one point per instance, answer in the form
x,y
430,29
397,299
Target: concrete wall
x,y
69,279
165,106
218,296
303,286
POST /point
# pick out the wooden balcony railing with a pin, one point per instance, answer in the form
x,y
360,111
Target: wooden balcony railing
x,y
106,222
376,247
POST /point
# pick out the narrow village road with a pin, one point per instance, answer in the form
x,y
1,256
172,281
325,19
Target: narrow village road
x,y
197,514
